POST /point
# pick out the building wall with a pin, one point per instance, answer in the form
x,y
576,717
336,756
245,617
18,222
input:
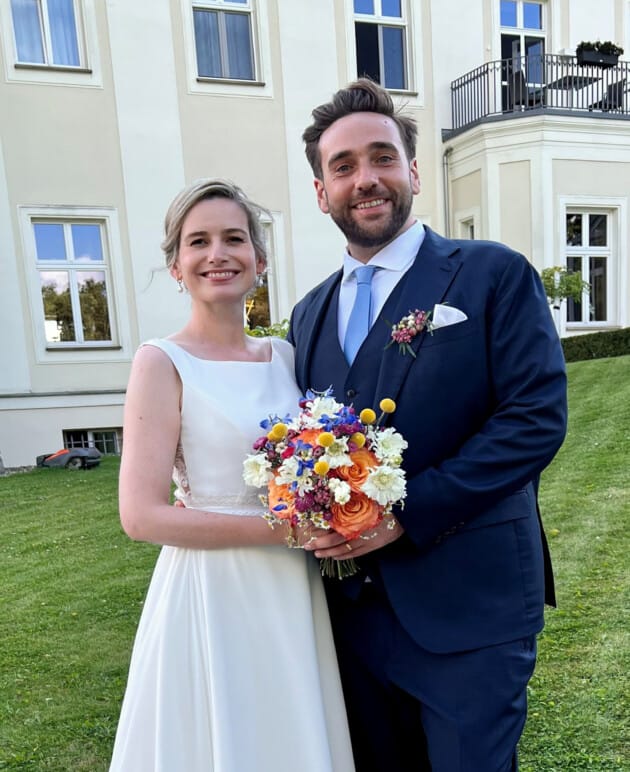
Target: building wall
x,y
515,202
123,138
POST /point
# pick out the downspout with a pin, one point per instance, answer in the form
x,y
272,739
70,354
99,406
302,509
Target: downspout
x,y
447,192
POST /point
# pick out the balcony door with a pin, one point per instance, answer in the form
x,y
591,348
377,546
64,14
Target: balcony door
x,y
523,39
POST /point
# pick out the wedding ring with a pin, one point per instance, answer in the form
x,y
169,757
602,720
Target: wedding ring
x,y
348,547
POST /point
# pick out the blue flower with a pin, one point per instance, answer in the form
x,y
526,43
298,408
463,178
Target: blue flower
x,y
267,423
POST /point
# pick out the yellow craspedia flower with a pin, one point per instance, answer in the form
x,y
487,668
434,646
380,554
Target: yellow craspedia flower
x,y
387,405
358,438
326,439
367,416
321,467
278,431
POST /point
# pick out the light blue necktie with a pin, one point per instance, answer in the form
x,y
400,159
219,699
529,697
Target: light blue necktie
x,y
360,316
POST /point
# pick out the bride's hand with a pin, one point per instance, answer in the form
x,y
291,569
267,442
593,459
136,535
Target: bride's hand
x,y
302,536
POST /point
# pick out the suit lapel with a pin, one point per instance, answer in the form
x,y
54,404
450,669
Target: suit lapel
x,y
425,284
311,323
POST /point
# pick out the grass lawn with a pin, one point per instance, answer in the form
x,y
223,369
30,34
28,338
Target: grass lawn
x,y
73,584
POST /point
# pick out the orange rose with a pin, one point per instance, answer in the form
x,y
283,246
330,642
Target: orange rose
x,y
309,436
278,495
363,460
356,516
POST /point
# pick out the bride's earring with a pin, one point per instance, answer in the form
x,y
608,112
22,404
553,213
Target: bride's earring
x,y
260,279
180,286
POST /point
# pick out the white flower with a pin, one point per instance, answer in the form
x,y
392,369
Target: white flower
x,y
340,490
287,473
385,485
319,407
257,471
337,454
389,446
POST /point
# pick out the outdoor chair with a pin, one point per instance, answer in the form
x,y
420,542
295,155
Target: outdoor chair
x,y
613,98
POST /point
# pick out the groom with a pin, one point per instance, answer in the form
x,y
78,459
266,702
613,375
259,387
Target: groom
x,y
436,636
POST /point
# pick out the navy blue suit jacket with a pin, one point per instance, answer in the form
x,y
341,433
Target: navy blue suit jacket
x,y
483,408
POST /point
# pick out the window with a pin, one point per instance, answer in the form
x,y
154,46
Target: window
x,y
46,32
224,39
588,252
258,311
523,38
468,229
380,31
108,441
74,282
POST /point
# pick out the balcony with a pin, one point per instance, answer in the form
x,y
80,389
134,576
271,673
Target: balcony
x,y
548,84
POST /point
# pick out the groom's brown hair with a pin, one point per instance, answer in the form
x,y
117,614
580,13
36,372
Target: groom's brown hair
x,y
362,96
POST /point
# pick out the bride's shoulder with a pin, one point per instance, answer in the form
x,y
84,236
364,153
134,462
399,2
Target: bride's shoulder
x,y
282,345
154,353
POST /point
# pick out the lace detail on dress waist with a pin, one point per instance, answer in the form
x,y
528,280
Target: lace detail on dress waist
x,y
236,504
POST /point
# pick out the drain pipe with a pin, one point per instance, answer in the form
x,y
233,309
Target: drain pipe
x,y
447,192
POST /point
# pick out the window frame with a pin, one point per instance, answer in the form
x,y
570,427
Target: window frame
x,y
87,73
257,10
410,23
379,21
467,219
523,32
116,431
73,267
113,265
616,268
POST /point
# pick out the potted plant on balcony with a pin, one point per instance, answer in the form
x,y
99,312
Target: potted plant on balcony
x,y
601,53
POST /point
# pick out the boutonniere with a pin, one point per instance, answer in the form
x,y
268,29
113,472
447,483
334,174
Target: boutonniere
x,y
407,328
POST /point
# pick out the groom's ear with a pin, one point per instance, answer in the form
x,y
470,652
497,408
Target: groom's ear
x,y
322,198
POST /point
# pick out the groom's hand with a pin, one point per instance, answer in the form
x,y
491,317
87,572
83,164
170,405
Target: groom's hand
x,y
334,545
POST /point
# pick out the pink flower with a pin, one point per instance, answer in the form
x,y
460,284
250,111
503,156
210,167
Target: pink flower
x,y
408,327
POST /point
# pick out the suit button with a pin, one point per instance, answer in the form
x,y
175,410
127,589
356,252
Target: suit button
x,y
351,394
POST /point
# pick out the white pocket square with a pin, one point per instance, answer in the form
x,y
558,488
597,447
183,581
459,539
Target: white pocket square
x,y
443,316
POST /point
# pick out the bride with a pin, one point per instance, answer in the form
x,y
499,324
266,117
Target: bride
x,y
233,667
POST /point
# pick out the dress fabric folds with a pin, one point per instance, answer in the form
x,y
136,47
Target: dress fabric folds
x,y
233,667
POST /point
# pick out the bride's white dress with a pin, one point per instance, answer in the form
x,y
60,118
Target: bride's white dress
x,y
233,667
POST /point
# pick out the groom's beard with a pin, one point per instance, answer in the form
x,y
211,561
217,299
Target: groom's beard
x,y
366,236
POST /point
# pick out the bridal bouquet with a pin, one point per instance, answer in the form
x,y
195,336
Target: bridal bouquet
x,y
329,468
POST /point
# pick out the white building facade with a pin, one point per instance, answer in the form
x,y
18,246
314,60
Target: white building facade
x,y
108,108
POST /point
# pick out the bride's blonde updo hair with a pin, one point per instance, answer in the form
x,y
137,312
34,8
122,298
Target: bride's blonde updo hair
x,y
202,190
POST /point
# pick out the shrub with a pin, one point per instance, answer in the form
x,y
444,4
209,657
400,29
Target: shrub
x,y
601,46
560,284
278,330
597,345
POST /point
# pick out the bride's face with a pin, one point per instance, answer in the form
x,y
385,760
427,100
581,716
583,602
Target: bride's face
x,y
216,258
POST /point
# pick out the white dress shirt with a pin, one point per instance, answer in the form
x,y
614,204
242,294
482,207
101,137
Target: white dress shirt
x,y
393,261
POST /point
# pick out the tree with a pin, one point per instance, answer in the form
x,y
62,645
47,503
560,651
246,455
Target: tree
x,y
560,284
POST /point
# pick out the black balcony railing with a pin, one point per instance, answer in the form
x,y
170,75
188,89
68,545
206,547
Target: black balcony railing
x,y
509,87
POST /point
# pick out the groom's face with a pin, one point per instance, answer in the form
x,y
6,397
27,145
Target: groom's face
x,y
368,183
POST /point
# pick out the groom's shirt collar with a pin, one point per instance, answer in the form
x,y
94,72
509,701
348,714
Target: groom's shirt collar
x,y
393,261
396,256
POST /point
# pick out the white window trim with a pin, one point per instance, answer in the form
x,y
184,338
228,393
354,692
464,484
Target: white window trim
x,y
464,217
88,74
94,351
415,74
278,268
617,292
261,87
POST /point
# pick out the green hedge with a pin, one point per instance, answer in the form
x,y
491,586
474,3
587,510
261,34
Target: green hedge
x,y
597,345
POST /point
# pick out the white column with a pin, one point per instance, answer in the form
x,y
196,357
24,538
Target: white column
x,y
143,65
